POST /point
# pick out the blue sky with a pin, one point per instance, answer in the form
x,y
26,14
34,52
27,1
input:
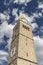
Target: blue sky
x,y
9,13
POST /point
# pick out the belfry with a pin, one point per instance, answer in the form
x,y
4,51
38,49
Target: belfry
x,y
22,50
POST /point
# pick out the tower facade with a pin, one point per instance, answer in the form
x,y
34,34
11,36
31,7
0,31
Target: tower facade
x,y
22,49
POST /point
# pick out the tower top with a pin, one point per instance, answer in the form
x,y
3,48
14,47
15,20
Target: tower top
x,y
23,18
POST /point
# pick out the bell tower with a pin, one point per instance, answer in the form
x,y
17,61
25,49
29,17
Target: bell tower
x,y
22,51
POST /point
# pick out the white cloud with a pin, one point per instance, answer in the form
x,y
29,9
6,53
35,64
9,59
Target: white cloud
x,y
38,40
34,26
41,28
1,62
40,14
3,55
42,11
39,48
5,29
3,58
37,14
22,1
3,52
7,3
40,5
30,19
41,31
4,17
28,0
14,13
15,1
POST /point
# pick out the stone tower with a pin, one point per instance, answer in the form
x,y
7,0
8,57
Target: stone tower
x,y
22,51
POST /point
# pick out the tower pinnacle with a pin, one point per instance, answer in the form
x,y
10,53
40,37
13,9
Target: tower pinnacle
x,y
23,18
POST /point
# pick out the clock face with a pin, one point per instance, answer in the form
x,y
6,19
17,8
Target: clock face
x,y
13,52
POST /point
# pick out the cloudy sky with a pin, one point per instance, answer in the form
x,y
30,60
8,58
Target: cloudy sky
x,y
9,13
